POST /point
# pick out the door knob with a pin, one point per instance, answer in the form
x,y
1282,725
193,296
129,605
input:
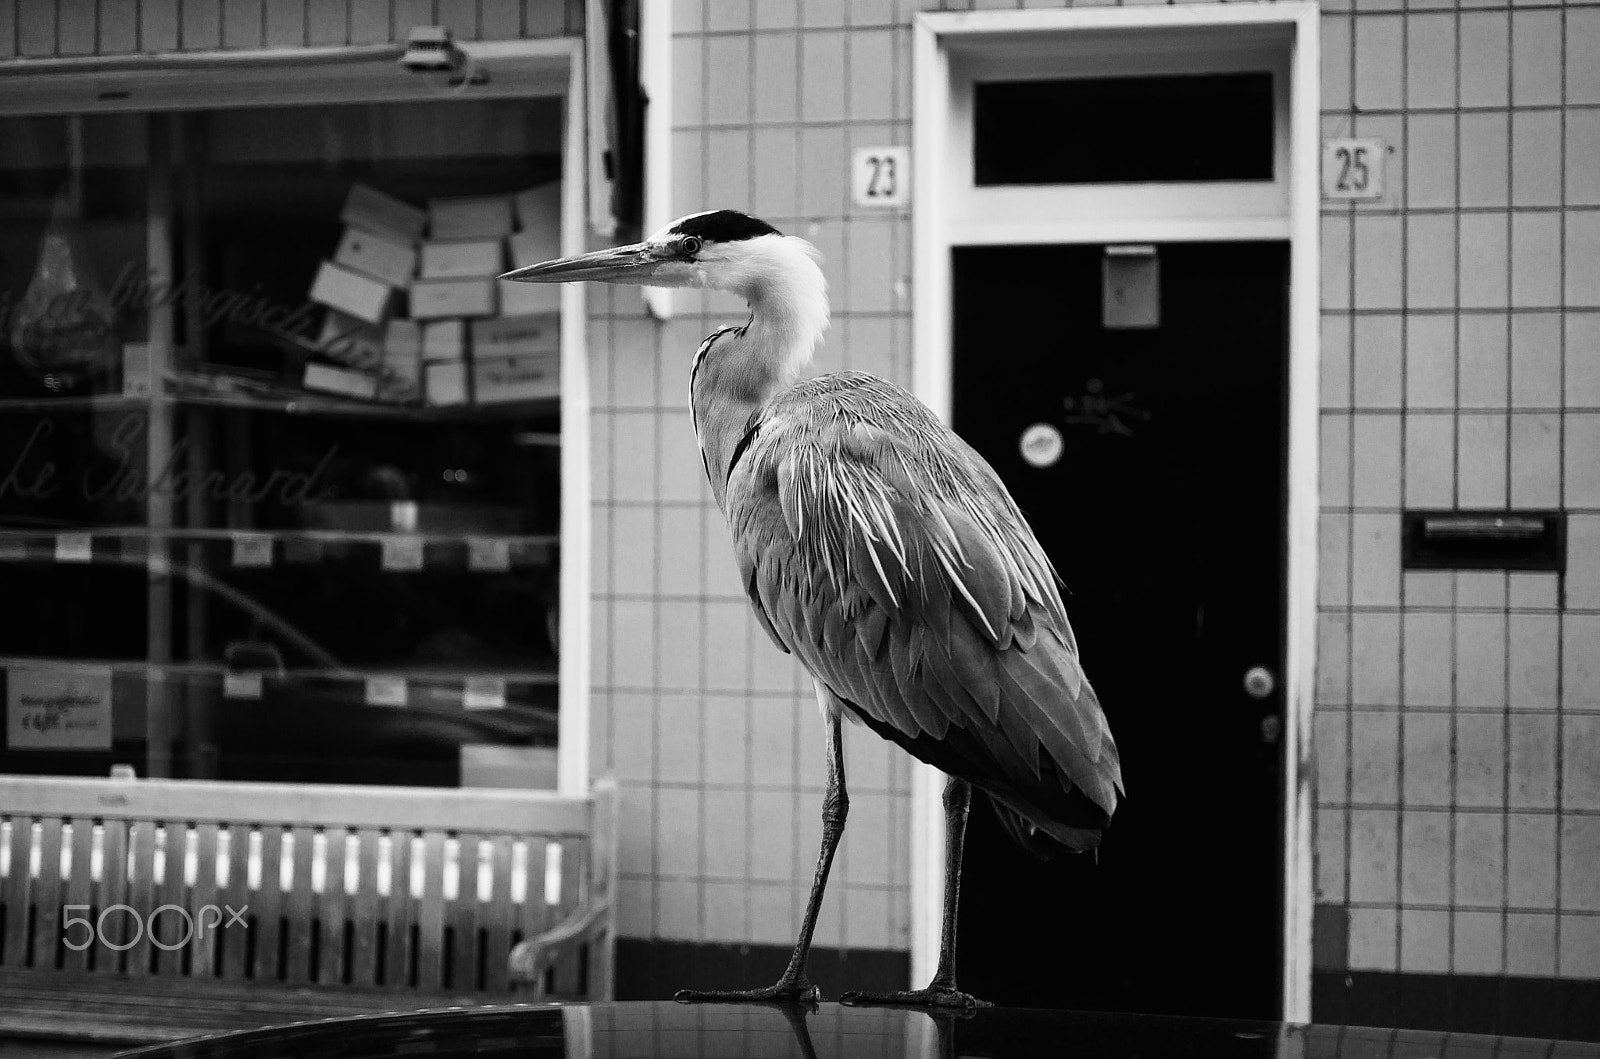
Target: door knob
x,y
1259,682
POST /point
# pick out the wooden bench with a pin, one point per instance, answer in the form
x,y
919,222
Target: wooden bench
x,y
328,900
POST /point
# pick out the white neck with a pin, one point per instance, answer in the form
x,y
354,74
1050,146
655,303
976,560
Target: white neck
x,y
781,277
738,373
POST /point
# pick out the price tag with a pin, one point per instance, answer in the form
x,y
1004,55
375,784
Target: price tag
x,y
386,691
402,553
485,693
74,548
1353,170
241,685
252,549
881,176
403,516
487,553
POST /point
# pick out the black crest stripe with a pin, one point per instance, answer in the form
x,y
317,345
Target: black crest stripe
x,y
724,226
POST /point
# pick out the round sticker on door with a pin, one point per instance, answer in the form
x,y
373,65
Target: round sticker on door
x,y
1041,445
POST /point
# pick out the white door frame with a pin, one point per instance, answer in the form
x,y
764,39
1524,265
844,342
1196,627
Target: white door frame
x,y
946,214
331,76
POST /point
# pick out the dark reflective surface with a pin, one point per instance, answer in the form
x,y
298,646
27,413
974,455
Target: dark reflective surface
x,y
714,1031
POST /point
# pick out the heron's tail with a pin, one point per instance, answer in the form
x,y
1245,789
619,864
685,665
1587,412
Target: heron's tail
x,y
1045,842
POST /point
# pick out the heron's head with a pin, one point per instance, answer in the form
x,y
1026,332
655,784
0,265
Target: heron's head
x,y
779,275
721,249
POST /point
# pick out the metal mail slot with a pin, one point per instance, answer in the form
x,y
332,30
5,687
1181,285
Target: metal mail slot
x,y
1484,540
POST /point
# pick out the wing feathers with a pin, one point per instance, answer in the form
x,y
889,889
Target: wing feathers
x,y
893,564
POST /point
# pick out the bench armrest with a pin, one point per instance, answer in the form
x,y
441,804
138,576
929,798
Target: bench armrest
x,y
532,957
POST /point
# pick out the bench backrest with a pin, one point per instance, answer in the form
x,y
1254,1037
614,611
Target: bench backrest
x,y
404,888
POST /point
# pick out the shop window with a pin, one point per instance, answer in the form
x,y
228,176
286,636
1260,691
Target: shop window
x,y
279,455
1108,130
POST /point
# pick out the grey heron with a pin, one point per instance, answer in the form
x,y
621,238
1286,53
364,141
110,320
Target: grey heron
x,y
885,554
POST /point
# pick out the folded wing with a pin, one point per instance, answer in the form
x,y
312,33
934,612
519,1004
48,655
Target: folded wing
x,y
887,556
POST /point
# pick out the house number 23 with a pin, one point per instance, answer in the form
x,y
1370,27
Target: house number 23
x,y
880,176
1352,170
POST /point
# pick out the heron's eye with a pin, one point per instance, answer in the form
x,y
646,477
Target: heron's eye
x,y
691,245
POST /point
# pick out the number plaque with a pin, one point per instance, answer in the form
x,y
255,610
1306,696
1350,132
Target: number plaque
x,y
1352,170
882,176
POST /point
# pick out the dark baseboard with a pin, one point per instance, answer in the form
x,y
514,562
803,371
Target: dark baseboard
x,y
1562,1008
654,970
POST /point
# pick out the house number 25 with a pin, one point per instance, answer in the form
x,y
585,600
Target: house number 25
x,y
1352,170
880,176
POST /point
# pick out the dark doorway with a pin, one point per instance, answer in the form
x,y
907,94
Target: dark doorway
x,y
1165,514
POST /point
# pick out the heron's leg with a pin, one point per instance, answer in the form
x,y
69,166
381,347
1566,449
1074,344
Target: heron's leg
x,y
942,991
793,984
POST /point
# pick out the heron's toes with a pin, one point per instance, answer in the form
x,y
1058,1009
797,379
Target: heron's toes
x,y
797,991
931,997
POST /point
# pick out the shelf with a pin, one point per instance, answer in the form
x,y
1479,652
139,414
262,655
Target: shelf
x,y
310,404
260,549
475,688
88,402
300,402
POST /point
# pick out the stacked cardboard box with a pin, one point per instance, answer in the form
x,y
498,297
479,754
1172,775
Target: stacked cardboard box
x,y
415,306
516,358
362,286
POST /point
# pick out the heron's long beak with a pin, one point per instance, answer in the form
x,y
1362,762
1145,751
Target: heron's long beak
x,y
627,264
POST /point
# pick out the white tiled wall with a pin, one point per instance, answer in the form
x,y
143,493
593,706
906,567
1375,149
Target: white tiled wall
x,y
713,733
1458,722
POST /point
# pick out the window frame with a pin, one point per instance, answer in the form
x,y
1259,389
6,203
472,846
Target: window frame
x,y
948,211
979,214
550,67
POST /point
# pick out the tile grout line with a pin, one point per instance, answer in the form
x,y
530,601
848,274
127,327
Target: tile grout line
x,y
1558,764
1454,620
1405,295
1505,577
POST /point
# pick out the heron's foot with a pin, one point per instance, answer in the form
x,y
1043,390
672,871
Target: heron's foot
x,y
785,991
934,996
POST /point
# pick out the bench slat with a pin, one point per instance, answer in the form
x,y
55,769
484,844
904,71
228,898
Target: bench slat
x,y
203,950
331,955
574,895
397,956
47,896
124,928
497,915
236,894
112,889
466,913
300,907
533,914
268,908
366,907
174,930
79,890
430,913
14,887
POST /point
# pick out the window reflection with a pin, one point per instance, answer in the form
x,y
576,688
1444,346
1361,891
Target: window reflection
x,y
268,530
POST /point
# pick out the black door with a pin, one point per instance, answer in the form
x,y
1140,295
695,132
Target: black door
x,y
1155,479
